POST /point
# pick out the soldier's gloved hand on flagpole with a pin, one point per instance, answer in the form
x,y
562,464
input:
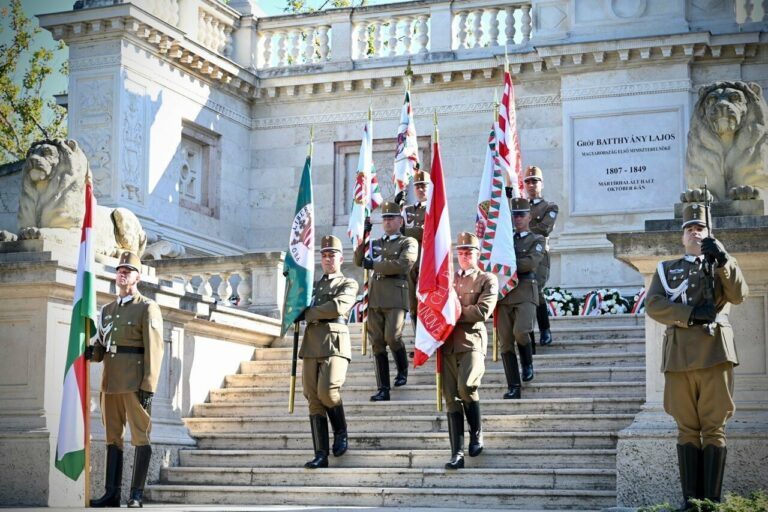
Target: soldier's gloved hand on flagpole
x,y
509,191
368,225
145,399
703,314
368,263
88,354
713,250
400,198
301,316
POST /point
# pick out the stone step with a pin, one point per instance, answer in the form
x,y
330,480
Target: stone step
x,y
500,458
420,407
492,375
543,359
480,498
599,439
436,478
531,389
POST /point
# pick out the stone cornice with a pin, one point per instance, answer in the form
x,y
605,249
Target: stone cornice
x,y
633,89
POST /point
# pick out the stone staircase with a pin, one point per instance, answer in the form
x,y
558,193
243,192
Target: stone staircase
x,y
553,450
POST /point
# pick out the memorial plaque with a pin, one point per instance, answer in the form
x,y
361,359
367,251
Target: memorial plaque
x,y
626,162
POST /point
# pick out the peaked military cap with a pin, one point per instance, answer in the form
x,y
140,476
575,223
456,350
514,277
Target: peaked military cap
x,y
520,204
390,209
330,243
695,214
467,240
129,260
533,173
421,177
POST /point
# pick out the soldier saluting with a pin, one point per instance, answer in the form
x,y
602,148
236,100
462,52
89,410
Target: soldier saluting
x,y
130,344
326,352
699,354
394,255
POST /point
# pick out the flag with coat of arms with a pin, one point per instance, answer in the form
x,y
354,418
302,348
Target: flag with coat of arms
x,y
367,196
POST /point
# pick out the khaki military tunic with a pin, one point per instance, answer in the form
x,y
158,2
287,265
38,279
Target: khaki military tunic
x,y
414,227
543,218
325,348
388,289
517,310
130,344
464,350
697,360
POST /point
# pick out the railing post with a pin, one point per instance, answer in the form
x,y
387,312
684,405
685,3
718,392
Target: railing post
x,y
441,27
341,37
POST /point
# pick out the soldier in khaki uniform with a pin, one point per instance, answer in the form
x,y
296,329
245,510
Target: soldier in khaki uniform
x,y
543,218
699,353
130,344
393,257
464,350
517,310
326,352
414,227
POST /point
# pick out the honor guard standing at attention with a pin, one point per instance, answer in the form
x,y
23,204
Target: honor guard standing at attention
x,y
464,350
517,310
414,227
543,218
326,352
130,344
692,296
393,257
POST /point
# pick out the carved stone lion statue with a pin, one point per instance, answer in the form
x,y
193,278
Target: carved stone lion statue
x,y
53,198
728,138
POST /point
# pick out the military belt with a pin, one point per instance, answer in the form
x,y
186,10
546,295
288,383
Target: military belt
x,y
394,276
127,350
339,320
526,275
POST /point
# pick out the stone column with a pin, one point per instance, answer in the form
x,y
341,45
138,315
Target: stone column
x,y
646,461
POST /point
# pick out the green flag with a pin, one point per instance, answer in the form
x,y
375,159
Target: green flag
x,y
300,260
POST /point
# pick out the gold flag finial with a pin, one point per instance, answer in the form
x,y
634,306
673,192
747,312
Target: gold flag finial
x,y
311,139
408,75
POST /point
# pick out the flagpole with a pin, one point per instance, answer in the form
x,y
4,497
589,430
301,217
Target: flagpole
x,y
87,419
439,357
366,240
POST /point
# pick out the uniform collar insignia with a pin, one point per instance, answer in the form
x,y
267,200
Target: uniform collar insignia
x,y
691,259
125,300
537,200
522,234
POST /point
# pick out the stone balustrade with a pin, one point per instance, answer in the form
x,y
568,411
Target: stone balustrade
x,y
255,279
215,24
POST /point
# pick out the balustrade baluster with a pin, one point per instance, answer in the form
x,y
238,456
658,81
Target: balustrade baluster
x,y
244,289
462,29
267,45
493,23
309,45
295,37
509,30
377,29
225,288
227,40
282,53
477,27
423,31
205,289
392,42
406,31
362,41
322,40
525,22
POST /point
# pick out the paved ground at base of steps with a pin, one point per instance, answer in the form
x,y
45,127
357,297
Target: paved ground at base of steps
x,y
288,508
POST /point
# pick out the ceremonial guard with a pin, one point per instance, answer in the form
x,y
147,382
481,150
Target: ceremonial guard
x,y
130,344
326,352
414,227
464,350
392,259
543,218
692,296
517,310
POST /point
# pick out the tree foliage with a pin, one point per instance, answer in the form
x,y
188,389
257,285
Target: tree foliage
x,y
302,6
25,116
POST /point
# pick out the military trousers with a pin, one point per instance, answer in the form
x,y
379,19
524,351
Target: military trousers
x,y
514,323
385,329
461,375
542,276
117,409
321,379
413,283
700,401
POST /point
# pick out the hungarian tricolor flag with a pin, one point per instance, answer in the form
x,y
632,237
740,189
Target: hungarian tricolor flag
x,y
70,448
300,260
510,158
367,196
407,151
439,307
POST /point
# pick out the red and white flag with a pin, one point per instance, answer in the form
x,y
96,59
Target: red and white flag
x,y
407,151
439,307
510,159
367,196
70,447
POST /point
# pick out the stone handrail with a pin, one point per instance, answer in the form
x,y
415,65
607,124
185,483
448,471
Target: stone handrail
x,y
254,279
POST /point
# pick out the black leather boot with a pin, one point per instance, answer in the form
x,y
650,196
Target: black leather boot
x,y
713,469
456,435
339,426
526,360
113,479
401,361
319,425
542,318
512,372
472,411
688,463
141,458
381,366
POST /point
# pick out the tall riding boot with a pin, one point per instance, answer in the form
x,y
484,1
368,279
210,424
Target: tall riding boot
x,y
713,469
512,372
381,364
688,464
339,425
141,458
401,361
472,411
532,343
542,318
456,435
526,360
319,425
113,479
